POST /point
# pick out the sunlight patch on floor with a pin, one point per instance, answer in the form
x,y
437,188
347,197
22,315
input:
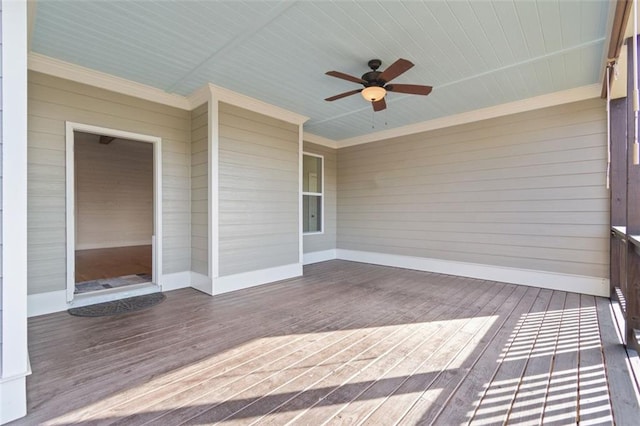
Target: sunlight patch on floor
x,y
547,373
251,363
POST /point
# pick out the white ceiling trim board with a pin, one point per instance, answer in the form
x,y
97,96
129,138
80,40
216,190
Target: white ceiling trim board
x,y
255,105
320,140
66,70
199,96
69,71
543,101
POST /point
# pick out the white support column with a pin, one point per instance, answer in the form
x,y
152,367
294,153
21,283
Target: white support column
x,y
214,135
14,355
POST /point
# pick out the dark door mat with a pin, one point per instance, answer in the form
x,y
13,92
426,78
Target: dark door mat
x,y
117,307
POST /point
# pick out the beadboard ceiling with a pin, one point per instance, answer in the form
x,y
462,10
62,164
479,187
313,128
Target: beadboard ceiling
x,y
475,53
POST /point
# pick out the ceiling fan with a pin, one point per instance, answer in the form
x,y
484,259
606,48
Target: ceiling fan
x,y
375,83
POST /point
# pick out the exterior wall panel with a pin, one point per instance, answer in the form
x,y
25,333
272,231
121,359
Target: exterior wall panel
x,y
258,191
199,190
52,101
524,191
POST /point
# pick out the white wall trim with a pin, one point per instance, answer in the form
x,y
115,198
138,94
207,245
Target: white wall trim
x,y
316,194
319,256
175,281
301,195
47,303
112,244
213,191
538,102
319,140
543,279
56,301
69,71
14,354
13,398
254,278
71,127
201,282
255,105
199,96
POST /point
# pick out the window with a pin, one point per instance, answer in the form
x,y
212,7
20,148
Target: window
x,y
312,193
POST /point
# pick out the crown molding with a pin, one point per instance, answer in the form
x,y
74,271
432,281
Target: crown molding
x,y
69,71
230,97
199,96
80,74
319,140
551,99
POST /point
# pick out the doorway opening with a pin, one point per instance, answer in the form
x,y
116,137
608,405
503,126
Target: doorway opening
x,y
113,211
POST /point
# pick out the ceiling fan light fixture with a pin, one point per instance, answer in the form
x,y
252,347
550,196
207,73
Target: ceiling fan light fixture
x,y
373,93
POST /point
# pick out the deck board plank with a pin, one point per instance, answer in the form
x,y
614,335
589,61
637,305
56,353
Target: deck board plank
x,y
529,399
594,404
562,395
456,409
495,403
345,391
348,343
420,333
624,393
420,385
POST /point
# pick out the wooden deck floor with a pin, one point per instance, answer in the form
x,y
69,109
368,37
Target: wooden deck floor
x,y
347,344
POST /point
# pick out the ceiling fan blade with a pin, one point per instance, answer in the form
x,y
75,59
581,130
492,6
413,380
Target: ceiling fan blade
x,y
343,95
344,76
414,89
379,105
398,67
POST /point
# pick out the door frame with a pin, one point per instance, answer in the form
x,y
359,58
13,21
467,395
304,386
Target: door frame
x,y
156,241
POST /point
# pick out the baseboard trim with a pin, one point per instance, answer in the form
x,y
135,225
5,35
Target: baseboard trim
x,y
113,244
46,303
555,281
175,281
318,256
255,278
56,301
13,398
201,283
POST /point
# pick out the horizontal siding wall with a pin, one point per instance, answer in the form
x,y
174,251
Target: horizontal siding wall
x,y
524,191
258,191
199,190
114,192
327,240
52,101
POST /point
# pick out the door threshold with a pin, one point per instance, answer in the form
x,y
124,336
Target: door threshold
x,y
108,295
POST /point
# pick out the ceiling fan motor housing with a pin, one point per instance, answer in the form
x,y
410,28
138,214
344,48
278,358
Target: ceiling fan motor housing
x,y
371,77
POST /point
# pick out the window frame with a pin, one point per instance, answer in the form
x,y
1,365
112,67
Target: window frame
x,y
315,194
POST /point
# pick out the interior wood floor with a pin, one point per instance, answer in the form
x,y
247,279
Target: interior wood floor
x,y
348,343
112,262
